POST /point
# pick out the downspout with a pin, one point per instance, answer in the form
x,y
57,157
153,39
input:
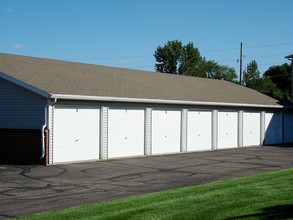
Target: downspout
x,y
43,149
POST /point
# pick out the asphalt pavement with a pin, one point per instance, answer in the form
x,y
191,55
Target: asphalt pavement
x,y
30,189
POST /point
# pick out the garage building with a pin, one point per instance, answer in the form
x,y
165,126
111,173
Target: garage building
x,y
70,112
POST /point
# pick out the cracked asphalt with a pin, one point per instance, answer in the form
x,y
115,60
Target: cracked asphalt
x,y
28,189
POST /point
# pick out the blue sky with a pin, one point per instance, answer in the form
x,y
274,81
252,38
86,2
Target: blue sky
x,y
125,33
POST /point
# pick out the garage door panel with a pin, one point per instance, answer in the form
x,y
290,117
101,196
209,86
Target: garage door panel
x,y
166,128
273,128
199,131
251,128
76,134
227,130
125,133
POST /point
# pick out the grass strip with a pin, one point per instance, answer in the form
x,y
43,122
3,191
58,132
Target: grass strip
x,y
263,196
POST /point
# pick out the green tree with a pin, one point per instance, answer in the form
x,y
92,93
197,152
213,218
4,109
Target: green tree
x,y
168,57
251,76
216,71
176,58
190,61
281,76
268,87
253,79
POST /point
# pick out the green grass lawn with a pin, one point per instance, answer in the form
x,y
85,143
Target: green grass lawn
x,y
264,196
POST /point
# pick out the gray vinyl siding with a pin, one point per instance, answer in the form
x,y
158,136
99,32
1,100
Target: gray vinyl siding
x,y
20,108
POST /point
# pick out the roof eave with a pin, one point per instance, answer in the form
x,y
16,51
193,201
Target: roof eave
x,y
24,85
159,101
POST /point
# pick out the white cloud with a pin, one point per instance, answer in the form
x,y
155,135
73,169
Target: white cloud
x,y
17,46
9,10
123,61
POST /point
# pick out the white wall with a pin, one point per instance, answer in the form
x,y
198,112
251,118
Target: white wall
x,y
165,133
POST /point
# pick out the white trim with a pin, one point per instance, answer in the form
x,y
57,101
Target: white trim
x,y
240,129
104,112
157,101
214,129
51,133
262,127
184,121
148,132
24,85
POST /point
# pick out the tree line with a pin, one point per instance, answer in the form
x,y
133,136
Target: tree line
x,y
176,58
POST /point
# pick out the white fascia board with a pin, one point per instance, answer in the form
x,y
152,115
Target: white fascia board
x,y
157,101
24,85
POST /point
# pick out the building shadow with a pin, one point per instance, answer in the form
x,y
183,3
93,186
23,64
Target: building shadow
x,y
273,213
287,145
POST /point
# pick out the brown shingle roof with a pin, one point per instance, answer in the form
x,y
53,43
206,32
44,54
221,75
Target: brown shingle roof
x,y
70,78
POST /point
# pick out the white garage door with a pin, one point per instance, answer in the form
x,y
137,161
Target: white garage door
x,y
251,128
288,128
227,130
76,134
199,131
125,133
273,128
166,128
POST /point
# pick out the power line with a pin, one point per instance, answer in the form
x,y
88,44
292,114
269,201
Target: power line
x,y
279,75
105,58
219,50
268,45
271,55
237,60
134,67
204,51
229,59
266,64
246,47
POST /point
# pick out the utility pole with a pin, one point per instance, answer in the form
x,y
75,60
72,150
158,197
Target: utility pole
x,y
240,71
290,57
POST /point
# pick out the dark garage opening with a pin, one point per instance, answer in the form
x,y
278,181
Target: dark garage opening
x,y
20,146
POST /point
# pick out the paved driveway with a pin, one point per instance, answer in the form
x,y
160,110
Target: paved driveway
x,y
30,189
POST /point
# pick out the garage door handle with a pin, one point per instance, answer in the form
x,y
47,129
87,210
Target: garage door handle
x,y
165,136
126,137
76,140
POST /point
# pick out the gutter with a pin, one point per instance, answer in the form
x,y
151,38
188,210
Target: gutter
x,y
158,101
43,149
